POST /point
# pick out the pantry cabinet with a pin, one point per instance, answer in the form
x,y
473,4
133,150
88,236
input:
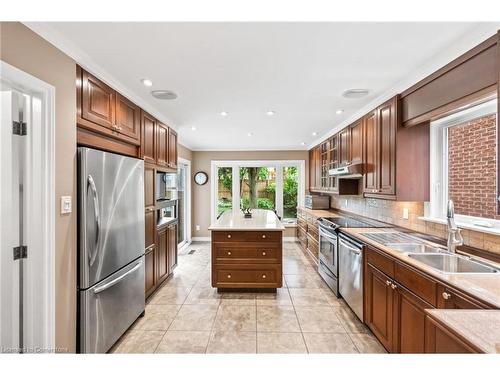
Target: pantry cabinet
x,y
172,149
162,143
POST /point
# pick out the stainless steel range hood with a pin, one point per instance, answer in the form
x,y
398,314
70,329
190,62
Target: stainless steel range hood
x,y
354,171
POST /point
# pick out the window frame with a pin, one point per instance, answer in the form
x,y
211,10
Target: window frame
x,y
439,189
237,164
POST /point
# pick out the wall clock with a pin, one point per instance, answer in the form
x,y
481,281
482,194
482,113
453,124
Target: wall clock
x,y
200,178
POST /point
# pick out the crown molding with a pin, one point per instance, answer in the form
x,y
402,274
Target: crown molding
x,y
463,44
54,37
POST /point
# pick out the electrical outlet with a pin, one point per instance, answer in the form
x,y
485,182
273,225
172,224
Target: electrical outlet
x,y
65,204
197,227
406,214
346,202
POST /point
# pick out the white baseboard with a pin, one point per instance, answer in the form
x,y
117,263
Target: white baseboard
x,y
290,239
200,239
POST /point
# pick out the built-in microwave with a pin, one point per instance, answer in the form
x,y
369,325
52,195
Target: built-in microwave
x,y
166,186
167,212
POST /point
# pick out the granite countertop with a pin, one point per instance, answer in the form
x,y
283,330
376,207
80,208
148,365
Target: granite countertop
x,y
485,287
319,213
260,220
481,328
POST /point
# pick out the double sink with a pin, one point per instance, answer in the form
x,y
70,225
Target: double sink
x,y
434,256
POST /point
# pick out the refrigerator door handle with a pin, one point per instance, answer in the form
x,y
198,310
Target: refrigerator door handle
x,y
97,217
117,280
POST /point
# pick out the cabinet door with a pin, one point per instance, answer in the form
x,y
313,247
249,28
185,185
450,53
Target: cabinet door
x,y
439,339
162,268
172,247
149,186
357,142
162,144
172,148
128,119
312,170
148,138
150,228
317,166
409,318
98,101
149,268
387,119
345,146
450,299
379,306
371,159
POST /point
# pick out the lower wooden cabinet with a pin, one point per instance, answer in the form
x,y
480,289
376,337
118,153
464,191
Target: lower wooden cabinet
x,y
172,247
163,268
150,271
439,339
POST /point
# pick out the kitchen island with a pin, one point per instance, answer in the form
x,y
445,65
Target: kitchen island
x,y
247,253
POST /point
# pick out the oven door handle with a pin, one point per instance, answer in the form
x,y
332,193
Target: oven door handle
x,y
351,249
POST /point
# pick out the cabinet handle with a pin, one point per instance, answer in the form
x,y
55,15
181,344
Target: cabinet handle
x,y
119,128
264,253
263,276
228,253
446,295
149,209
229,276
393,286
388,282
228,236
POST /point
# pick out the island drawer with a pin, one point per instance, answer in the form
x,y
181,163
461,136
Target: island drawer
x,y
247,276
231,236
246,252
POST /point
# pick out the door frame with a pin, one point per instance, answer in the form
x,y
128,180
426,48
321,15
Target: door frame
x,y
187,221
46,294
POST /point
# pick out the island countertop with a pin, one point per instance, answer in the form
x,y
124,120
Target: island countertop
x,y
234,220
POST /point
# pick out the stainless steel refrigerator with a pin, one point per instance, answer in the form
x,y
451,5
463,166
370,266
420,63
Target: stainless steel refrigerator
x,y
111,247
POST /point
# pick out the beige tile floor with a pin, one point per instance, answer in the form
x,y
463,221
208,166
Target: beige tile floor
x,y
187,315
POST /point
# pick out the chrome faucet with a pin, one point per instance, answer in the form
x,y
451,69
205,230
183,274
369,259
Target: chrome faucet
x,y
455,239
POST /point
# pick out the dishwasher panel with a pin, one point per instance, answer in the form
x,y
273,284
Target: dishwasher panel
x,y
351,274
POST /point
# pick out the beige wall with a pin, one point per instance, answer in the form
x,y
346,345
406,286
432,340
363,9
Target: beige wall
x,y
202,162
22,48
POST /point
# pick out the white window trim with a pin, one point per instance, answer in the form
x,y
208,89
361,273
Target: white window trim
x,y
435,210
187,192
236,164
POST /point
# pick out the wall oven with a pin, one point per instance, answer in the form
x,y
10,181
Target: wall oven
x,y
328,267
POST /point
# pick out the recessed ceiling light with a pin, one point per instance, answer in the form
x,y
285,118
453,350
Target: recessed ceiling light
x,y
339,111
224,113
164,94
315,134
147,82
250,134
303,143
193,128
355,93
270,113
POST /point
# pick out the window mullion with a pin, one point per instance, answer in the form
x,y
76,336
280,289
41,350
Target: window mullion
x,y
279,190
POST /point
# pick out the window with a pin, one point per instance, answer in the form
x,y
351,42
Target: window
x,y
464,166
271,185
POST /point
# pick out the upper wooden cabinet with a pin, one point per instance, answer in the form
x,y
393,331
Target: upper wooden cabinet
x,y
344,140
128,118
356,142
148,146
172,148
98,101
370,153
162,145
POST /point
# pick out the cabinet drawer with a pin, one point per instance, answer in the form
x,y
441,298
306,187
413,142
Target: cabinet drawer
x,y
246,253
416,282
302,224
311,219
380,261
247,276
313,229
232,236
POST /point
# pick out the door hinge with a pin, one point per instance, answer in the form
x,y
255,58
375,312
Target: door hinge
x,y
20,252
19,128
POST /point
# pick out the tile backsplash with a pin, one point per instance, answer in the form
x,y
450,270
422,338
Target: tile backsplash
x,y
392,212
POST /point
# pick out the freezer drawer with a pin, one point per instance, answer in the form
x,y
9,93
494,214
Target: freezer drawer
x,y
109,308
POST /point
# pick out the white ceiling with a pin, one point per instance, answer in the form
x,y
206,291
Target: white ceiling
x,y
298,70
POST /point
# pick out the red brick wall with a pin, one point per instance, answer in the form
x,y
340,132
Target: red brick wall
x,y
472,167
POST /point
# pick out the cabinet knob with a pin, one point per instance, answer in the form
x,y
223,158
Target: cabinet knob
x,y
263,276
446,295
119,128
263,236
393,286
264,253
388,282
229,276
228,253
228,236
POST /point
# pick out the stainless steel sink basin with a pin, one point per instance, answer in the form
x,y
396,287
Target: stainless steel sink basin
x,y
452,263
415,248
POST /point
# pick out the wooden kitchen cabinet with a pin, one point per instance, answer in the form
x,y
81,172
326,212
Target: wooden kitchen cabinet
x,y
148,141
356,142
162,265
370,153
98,102
314,169
344,140
162,145
128,118
172,148
439,339
172,247
449,298
150,271
149,186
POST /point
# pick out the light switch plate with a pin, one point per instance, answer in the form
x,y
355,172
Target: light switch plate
x,y
65,204
406,214
197,227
